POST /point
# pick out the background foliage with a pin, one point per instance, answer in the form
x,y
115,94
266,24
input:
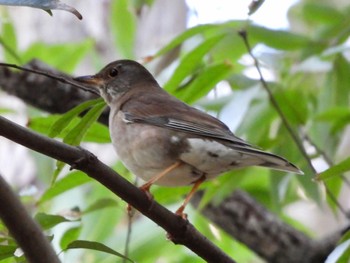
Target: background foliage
x,y
308,73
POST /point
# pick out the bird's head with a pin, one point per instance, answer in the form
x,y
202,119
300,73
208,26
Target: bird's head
x,y
119,77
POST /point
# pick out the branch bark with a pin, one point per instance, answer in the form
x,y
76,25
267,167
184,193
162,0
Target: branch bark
x,y
250,223
42,92
26,232
180,230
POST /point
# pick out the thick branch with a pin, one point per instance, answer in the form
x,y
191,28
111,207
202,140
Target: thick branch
x,y
42,92
23,228
180,231
242,217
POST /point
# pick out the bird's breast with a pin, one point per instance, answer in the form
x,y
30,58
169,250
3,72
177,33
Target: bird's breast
x,y
148,150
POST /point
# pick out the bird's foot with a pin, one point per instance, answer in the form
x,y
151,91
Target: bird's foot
x,y
180,212
146,189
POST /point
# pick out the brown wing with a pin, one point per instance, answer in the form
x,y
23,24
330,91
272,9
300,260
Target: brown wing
x,y
166,111
176,115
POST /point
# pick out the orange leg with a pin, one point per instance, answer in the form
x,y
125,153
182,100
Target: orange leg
x,y
154,179
148,185
181,209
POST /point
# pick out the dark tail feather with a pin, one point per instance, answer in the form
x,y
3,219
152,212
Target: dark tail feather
x,y
270,160
281,164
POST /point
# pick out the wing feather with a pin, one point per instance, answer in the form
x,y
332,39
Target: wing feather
x,y
178,116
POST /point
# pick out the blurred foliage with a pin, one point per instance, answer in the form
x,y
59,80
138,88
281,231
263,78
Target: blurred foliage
x,y
310,70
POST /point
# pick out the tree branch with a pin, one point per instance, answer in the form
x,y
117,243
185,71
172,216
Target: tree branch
x,y
180,230
250,223
23,228
43,92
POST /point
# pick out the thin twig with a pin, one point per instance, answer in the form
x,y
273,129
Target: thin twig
x,y
131,214
128,238
295,137
325,157
334,200
286,123
52,76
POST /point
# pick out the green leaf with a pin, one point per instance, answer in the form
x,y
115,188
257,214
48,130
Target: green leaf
x,y
241,82
256,123
345,256
63,57
320,12
7,251
183,37
8,40
170,195
333,113
343,249
338,116
223,186
190,62
215,104
67,183
95,246
204,83
123,25
293,105
335,170
334,186
47,221
278,39
102,224
75,136
59,167
77,133
346,236
96,133
230,49
69,236
341,81
341,254
66,118
101,204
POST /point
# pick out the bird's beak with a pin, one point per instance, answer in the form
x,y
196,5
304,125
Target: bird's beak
x,y
94,81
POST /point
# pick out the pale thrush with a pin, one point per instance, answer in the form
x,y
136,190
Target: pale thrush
x,y
165,141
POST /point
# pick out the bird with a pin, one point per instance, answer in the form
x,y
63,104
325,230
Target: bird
x,y
166,142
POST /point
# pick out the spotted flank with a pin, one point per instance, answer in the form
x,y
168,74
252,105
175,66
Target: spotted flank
x,y
214,158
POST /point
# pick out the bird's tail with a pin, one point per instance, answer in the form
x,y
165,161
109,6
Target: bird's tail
x,y
270,160
276,162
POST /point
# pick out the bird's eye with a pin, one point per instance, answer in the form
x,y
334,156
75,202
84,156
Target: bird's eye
x,y
113,72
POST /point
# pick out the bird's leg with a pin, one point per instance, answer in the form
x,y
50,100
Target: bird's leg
x,y
145,188
180,211
154,179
